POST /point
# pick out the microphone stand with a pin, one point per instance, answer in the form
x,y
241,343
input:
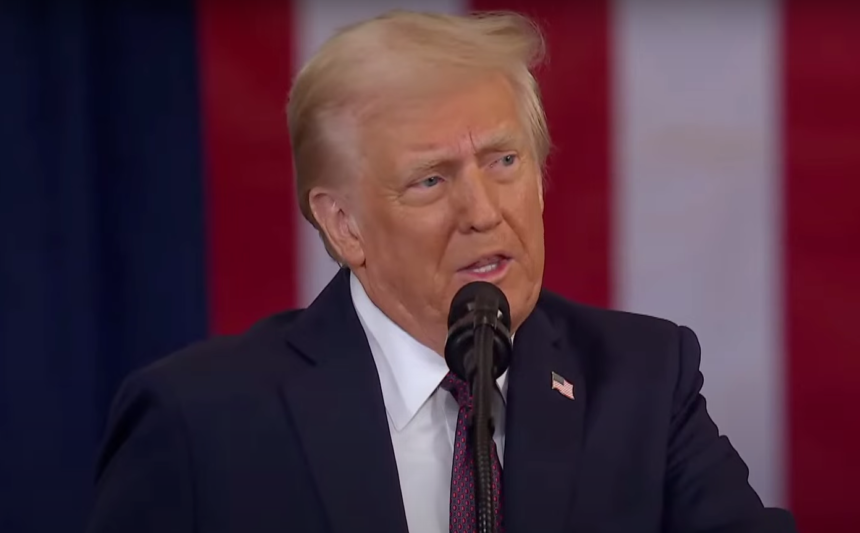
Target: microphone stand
x,y
478,350
482,427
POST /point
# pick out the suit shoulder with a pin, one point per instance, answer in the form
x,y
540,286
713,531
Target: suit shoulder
x,y
642,352
602,320
224,358
608,335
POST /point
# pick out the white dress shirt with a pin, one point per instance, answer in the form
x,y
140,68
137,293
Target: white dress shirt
x,y
422,417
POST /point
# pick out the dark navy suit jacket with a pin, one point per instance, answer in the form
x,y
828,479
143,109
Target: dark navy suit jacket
x,y
283,429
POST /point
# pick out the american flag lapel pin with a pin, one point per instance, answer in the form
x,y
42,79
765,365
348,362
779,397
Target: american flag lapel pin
x,y
563,386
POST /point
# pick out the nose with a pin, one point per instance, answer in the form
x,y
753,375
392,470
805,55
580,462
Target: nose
x,y
478,202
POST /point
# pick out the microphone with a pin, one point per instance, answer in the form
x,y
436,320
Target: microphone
x,y
478,351
478,308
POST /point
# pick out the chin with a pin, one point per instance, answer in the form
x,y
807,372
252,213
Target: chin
x,y
522,293
522,300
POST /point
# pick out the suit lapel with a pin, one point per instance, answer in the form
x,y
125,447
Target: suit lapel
x,y
340,416
543,430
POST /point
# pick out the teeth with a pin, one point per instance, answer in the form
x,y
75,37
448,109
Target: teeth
x,y
486,268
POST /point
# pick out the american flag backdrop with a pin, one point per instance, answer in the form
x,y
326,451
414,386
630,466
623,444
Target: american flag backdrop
x,y
706,169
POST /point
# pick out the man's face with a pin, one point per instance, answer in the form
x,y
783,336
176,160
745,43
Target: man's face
x,y
451,194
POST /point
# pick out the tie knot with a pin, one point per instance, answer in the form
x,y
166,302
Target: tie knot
x,y
459,389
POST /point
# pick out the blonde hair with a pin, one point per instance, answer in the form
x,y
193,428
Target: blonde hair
x,y
401,50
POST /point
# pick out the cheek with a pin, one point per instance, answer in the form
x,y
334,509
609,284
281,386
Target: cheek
x,y
526,221
526,204
411,234
428,234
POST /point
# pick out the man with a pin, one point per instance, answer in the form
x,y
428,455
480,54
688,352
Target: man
x,y
419,142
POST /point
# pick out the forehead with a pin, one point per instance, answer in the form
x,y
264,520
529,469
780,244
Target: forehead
x,y
476,141
473,115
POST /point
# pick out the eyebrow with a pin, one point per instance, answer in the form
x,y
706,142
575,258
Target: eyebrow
x,y
433,160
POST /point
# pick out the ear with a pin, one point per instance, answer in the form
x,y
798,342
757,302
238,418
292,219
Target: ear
x,y
331,212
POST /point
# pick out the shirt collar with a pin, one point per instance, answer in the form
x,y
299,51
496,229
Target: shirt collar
x,y
409,372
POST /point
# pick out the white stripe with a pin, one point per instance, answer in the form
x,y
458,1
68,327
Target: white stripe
x,y
317,20
697,200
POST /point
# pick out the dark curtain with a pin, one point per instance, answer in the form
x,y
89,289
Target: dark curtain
x,y
101,232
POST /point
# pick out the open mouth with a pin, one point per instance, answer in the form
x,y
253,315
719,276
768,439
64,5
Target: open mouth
x,y
487,265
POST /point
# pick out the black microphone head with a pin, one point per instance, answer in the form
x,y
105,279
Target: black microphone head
x,y
478,304
479,296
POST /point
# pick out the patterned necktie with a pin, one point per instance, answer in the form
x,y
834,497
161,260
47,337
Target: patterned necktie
x,y
463,511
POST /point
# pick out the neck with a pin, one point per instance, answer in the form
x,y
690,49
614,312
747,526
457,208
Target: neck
x,y
432,333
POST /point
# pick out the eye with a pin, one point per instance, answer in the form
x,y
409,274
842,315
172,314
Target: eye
x,y
432,181
507,160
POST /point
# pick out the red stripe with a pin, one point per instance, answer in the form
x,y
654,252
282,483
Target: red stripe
x,y
576,91
246,55
822,146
